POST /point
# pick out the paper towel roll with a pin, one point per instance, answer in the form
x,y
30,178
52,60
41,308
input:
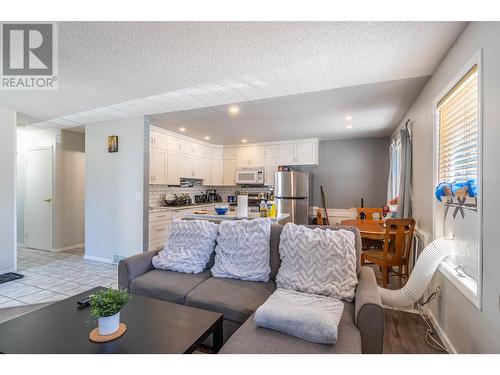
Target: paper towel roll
x,y
242,208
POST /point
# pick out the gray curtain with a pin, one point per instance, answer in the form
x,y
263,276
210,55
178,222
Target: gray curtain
x,y
404,205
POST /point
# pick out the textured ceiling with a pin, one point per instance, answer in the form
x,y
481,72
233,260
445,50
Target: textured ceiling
x,y
107,69
375,110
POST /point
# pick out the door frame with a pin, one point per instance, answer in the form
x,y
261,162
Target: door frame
x,y
51,148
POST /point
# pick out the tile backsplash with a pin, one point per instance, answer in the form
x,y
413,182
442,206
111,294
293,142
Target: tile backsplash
x,y
157,193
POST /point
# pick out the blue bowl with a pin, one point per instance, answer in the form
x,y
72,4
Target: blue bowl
x,y
221,210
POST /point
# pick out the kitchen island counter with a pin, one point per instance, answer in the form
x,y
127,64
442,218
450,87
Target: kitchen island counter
x,y
231,215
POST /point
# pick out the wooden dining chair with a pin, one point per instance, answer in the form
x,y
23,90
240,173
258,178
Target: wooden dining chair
x,y
369,212
396,252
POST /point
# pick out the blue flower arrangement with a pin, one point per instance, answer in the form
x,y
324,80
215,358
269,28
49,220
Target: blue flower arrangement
x,y
453,188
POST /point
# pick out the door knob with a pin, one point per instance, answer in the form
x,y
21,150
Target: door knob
x,y
48,200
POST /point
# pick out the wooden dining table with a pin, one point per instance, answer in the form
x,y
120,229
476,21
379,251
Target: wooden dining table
x,y
372,229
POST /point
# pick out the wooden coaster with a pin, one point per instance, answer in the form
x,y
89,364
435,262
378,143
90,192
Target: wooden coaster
x,y
96,337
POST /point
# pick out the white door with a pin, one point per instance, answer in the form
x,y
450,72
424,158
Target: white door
x,y
38,206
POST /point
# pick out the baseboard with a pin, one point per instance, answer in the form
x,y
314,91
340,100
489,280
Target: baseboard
x,y
410,310
444,338
98,259
72,247
8,270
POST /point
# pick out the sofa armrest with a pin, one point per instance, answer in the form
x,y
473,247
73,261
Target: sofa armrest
x,y
134,266
369,313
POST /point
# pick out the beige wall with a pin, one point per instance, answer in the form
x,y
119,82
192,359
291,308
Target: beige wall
x,y
468,329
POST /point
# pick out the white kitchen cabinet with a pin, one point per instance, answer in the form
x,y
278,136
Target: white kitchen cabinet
x,y
250,157
173,168
173,144
229,153
271,151
299,153
229,170
157,140
286,154
217,172
159,230
270,166
186,166
157,166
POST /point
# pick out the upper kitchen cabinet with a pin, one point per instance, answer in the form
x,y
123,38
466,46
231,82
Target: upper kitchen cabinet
x,y
157,166
229,171
173,168
270,166
250,157
157,140
299,153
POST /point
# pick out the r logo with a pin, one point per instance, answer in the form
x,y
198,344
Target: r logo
x,y
27,49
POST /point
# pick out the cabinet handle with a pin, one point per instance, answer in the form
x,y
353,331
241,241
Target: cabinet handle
x,y
160,230
160,216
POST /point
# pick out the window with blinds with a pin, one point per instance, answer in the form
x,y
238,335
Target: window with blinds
x,y
395,166
459,130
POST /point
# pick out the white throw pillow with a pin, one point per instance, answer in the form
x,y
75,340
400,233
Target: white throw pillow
x,y
189,246
242,250
318,261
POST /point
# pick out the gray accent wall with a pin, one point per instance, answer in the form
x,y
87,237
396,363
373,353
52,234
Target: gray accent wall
x,y
350,169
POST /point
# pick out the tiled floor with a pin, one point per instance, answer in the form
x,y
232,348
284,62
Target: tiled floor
x,y
54,276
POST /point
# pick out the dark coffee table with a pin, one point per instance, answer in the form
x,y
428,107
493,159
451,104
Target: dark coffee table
x,y
153,326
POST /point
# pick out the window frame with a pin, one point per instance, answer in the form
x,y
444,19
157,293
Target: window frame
x,y
469,287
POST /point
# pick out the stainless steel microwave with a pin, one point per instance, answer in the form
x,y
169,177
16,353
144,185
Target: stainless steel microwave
x,y
250,176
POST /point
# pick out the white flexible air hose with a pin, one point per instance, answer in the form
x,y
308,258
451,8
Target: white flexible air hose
x,y
427,263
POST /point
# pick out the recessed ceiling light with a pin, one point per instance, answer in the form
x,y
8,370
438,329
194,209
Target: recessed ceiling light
x,y
243,141
349,127
207,138
348,118
234,110
182,129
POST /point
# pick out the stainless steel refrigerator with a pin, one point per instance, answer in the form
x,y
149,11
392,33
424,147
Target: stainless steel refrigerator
x,y
292,193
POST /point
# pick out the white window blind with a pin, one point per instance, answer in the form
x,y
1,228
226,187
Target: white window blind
x,y
395,166
459,131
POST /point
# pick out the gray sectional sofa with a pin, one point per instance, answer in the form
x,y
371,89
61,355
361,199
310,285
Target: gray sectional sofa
x,y
361,327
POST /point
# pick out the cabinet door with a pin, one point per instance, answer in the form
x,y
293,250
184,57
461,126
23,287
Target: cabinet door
x,y
197,171
270,166
243,157
206,171
186,166
217,172
229,153
173,144
271,151
229,169
157,166
157,140
305,153
286,154
256,156
173,168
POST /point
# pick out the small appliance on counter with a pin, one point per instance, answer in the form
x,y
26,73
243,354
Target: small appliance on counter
x,y
212,196
177,200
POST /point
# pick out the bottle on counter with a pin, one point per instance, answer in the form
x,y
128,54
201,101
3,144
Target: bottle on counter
x,y
263,208
271,209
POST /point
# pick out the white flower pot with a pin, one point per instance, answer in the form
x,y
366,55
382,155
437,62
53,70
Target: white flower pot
x,y
108,324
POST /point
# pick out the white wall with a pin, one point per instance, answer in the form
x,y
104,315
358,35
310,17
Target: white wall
x,y
468,329
8,248
114,189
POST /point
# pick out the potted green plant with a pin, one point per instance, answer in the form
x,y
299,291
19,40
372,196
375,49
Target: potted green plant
x,y
105,307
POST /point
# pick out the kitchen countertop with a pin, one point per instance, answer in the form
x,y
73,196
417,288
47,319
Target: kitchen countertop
x,y
184,207
231,215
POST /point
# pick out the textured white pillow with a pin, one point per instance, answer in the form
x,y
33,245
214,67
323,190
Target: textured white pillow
x,y
318,261
242,250
189,246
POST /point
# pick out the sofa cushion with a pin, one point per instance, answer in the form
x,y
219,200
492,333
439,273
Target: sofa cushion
x,y
167,285
242,250
250,339
189,246
236,299
318,261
